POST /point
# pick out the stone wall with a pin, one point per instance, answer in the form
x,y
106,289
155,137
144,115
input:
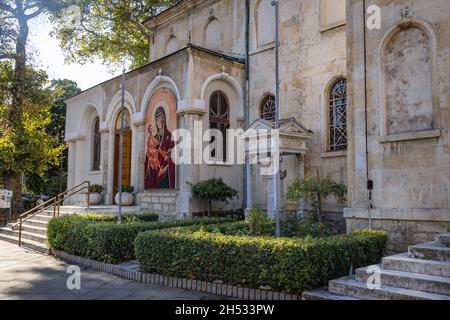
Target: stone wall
x,y
162,202
407,125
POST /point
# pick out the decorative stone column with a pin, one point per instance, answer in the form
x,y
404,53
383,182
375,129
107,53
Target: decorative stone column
x,y
301,175
271,212
249,189
189,173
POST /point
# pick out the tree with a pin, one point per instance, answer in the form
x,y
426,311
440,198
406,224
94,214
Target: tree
x,y
111,31
54,180
26,147
315,190
214,189
18,141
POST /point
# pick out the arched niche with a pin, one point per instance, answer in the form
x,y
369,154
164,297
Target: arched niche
x,y
408,79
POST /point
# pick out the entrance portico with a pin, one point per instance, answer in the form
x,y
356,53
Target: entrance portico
x,y
261,139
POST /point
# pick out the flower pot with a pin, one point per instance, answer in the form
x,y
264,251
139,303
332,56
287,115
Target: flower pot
x,y
95,199
127,199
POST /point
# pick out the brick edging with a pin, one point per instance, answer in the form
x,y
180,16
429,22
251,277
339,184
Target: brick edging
x,y
188,284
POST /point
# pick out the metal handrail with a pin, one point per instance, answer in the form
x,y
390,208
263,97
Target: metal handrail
x,y
55,202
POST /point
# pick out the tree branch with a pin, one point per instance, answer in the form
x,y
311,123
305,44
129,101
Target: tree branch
x,y
5,7
34,14
8,56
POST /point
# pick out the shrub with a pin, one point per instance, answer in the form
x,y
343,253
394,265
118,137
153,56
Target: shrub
x,y
91,237
128,189
293,226
127,217
316,190
95,188
213,190
258,220
287,264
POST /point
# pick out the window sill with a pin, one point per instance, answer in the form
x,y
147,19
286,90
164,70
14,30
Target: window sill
x,y
263,48
332,26
219,164
408,136
336,154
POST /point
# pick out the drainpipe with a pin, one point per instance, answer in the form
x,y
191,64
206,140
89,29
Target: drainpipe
x,y
369,182
246,101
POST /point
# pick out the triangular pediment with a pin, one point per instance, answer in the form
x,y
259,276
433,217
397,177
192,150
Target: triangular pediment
x,y
290,125
261,124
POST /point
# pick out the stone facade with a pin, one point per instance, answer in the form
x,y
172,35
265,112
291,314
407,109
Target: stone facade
x,y
407,94
395,154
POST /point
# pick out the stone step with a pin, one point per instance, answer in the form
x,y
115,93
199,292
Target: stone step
x,y
36,223
35,230
443,239
407,280
25,235
402,262
322,294
358,289
430,251
29,244
42,218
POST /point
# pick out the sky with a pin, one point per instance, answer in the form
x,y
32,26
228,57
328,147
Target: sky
x,y
51,58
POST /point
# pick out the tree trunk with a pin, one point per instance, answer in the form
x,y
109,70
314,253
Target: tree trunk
x,y
319,198
209,208
12,181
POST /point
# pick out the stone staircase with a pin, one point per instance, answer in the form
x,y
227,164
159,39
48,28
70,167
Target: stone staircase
x,y
421,274
34,231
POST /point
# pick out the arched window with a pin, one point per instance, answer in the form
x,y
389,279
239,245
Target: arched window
x,y
96,145
212,35
219,118
265,22
338,116
267,108
172,45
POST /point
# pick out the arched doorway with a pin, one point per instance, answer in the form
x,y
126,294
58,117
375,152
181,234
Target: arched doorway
x,y
126,152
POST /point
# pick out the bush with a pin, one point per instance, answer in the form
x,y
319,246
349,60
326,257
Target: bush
x,y
127,218
128,189
212,190
289,229
95,188
258,220
97,237
287,264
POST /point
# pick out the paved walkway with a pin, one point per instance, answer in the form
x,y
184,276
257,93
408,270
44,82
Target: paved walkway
x,y
27,275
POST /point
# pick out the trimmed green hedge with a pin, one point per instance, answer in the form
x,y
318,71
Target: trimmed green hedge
x,y
289,230
289,264
127,217
110,242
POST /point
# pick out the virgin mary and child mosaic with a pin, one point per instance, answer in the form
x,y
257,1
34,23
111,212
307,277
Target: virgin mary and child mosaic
x,y
161,121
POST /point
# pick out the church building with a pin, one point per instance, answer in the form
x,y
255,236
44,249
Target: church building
x,y
369,108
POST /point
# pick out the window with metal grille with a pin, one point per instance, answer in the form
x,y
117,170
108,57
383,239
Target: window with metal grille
x,y
268,108
338,116
96,151
219,118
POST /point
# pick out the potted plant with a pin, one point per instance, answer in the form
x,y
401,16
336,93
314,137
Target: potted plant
x,y
213,190
127,196
95,195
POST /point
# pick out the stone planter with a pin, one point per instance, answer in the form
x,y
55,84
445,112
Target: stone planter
x,y
95,199
127,199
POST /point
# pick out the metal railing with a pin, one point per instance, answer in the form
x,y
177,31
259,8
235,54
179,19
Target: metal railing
x,y
55,203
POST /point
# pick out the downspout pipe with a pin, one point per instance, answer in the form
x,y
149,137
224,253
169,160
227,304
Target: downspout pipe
x,y
366,131
246,101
